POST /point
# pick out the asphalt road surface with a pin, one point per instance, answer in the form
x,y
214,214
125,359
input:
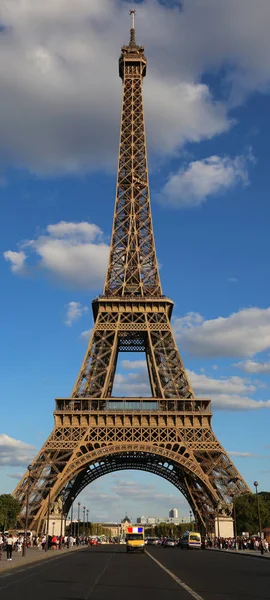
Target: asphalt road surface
x,y
109,573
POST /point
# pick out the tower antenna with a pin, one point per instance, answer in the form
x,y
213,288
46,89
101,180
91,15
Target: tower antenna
x,y
132,31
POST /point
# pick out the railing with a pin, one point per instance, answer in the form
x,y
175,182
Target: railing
x,y
194,405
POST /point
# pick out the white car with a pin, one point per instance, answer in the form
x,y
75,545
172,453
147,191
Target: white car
x,y
169,542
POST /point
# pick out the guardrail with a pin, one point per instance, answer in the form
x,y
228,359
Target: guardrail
x,y
133,405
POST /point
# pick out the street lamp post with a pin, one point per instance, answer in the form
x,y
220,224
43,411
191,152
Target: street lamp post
x,y
218,527
48,520
61,525
87,513
53,528
26,510
259,514
190,517
71,516
235,524
84,508
79,506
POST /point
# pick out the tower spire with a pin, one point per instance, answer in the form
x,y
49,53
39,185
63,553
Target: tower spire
x,y
132,30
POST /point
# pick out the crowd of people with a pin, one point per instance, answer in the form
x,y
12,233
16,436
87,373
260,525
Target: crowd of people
x,y
10,543
239,543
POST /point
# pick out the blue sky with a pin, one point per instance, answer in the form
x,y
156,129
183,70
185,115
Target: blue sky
x,y
208,124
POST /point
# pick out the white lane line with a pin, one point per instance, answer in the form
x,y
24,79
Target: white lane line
x,y
98,578
173,576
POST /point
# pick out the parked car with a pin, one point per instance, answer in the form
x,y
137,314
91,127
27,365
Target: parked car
x,y
152,541
169,543
93,542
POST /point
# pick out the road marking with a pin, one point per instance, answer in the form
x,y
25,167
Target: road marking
x,y
173,576
99,578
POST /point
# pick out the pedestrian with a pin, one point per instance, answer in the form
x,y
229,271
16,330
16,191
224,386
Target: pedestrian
x,y
10,543
1,546
54,542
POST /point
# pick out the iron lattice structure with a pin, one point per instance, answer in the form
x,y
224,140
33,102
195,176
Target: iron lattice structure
x,y
169,434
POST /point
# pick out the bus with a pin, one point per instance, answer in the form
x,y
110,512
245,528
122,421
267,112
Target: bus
x,y
191,539
135,539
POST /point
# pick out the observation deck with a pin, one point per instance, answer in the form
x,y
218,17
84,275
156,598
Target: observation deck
x,y
133,405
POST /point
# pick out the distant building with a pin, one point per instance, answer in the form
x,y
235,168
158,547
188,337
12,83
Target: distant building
x,y
173,513
157,520
142,520
126,520
118,529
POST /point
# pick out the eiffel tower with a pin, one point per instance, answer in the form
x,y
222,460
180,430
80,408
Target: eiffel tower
x,y
168,434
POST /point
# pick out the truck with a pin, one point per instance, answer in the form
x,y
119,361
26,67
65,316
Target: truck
x,y
135,539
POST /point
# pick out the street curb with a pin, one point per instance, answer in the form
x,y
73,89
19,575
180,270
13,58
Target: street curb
x,y
10,569
236,553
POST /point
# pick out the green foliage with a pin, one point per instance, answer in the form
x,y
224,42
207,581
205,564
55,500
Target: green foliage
x,y
9,510
247,512
168,530
89,528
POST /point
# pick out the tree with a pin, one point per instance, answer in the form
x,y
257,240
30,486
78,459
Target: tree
x,y
246,509
170,529
9,510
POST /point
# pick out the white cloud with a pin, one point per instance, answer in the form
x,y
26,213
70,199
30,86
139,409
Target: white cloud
x,y
17,260
74,311
133,364
14,452
130,495
252,366
231,385
233,279
48,63
243,333
147,493
85,335
132,384
244,454
17,476
73,254
83,232
191,186
228,393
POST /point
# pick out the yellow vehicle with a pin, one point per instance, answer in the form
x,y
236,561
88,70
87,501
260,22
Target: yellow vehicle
x,y
135,539
191,539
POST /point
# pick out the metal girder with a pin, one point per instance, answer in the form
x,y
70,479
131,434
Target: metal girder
x,y
145,331
173,436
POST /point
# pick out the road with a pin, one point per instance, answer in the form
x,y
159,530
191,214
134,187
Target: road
x,y
109,573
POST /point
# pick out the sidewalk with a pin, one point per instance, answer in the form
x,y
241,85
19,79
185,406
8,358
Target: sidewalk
x,y
250,553
33,556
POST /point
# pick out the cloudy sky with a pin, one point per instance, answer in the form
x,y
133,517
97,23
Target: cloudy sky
x,y
207,105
